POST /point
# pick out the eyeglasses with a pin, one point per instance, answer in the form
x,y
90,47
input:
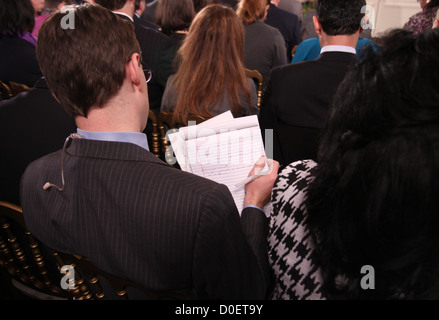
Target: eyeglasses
x,y
146,71
148,74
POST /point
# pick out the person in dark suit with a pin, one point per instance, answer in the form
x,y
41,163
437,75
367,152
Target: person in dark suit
x,y
293,6
139,8
149,12
18,62
106,197
32,124
157,50
298,96
287,23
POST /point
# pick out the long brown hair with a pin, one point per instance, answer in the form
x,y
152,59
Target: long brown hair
x,y
212,56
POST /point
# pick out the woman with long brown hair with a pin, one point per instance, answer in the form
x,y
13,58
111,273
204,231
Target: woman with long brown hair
x,y
211,78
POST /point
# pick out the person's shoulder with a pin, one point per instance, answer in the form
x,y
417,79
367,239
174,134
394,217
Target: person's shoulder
x,y
272,30
38,101
417,16
184,180
292,69
287,16
293,179
299,170
17,103
338,61
264,28
310,42
16,44
149,34
44,163
207,195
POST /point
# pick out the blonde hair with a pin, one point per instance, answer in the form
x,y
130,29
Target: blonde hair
x,y
211,63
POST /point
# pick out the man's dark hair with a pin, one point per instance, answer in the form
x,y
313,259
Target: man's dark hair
x,y
374,200
16,17
340,17
81,72
111,4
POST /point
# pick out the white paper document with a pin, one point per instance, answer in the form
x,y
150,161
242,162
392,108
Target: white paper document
x,y
223,149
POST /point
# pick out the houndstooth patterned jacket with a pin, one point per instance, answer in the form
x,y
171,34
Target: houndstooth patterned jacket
x,y
291,248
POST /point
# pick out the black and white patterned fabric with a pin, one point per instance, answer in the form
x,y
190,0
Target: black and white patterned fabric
x,y
291,247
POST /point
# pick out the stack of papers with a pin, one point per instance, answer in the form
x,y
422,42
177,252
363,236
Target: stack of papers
x,y
223,149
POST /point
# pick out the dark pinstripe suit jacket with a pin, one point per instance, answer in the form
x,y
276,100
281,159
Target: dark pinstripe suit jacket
x,y
137,217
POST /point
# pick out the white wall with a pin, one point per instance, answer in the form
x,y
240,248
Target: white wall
x,y
391,14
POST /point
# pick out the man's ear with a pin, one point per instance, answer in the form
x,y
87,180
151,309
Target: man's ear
x,y
142,6
317,25
267,7
133,69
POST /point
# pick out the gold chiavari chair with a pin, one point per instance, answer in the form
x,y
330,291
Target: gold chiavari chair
x,y
5,91
38,271
155,135
30,266
257,77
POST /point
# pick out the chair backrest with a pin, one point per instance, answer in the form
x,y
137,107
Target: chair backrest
x,y
31,267
38,271
92,283
17,88
293,51
5,91
155,135
257,77
167,125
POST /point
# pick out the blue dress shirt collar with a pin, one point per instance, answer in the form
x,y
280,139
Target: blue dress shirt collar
x,y
137,138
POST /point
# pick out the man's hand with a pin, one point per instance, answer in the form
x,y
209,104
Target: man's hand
x,y
258,191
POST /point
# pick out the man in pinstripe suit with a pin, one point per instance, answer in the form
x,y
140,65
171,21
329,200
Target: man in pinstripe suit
x,y
106,197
